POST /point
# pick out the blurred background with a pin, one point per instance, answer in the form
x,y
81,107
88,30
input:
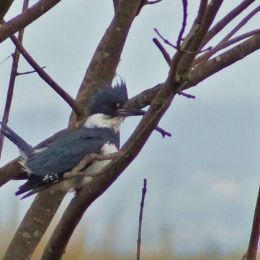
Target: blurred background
x,y
202,182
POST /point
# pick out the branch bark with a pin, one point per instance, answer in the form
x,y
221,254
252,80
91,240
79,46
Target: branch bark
x,y
21,21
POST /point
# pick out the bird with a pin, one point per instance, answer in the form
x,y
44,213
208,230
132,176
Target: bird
x,y
53,165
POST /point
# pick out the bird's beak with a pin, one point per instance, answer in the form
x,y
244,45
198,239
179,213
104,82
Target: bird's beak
x,y
130,112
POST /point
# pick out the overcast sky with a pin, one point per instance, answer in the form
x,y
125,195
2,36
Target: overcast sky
x,y
202,182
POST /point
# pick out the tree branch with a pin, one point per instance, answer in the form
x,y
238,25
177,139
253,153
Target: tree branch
x,y
21,21
144,189
255,233
225,41
107,55
184,22
46,77
12,78
227,19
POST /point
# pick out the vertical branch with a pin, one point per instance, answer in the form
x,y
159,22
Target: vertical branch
x,y
144,189
184,22
13,75
255,233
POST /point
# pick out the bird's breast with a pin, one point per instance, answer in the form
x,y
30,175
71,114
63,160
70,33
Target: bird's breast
x,y
97,166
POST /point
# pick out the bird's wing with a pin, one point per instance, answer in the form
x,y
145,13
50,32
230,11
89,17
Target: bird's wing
x,y
48,166
65,152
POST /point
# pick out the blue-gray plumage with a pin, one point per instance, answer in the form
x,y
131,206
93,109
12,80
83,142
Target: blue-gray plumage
x,y
53,165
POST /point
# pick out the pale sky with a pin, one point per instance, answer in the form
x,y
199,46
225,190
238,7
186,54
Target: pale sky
x,y
202,182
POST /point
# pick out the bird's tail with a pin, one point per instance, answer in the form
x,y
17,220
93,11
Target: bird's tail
x,y
24,147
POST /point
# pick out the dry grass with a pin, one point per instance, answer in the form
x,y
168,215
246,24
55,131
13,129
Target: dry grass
x,y
77,250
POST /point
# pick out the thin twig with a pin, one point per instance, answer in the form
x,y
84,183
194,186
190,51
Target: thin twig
x,y
202,10
181,93
184,23
153,2
5,59
242,23
162,132
46,77
28,72
207,55
255,232
165,40
12,78
226,20
225,41
144,189
163,51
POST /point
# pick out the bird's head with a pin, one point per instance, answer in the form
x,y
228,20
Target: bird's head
x,y
107,107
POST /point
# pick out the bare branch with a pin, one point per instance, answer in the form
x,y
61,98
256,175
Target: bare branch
x,y
45,76
227,19
28,72
225,59
144,189
255,232
225,43
13,75
27,17
203,71
163,51
102,67
191,45
153,2
181,93
202,10
165,40
242,23
184,23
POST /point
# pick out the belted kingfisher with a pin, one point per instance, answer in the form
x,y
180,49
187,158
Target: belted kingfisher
x,y
52,165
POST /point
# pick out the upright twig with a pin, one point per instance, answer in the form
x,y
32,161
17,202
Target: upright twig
x,y
140,221
163,51
184,22
12,78
227,19
255,232
225,42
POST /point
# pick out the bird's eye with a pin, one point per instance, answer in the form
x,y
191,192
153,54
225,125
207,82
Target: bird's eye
x,y
115,105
